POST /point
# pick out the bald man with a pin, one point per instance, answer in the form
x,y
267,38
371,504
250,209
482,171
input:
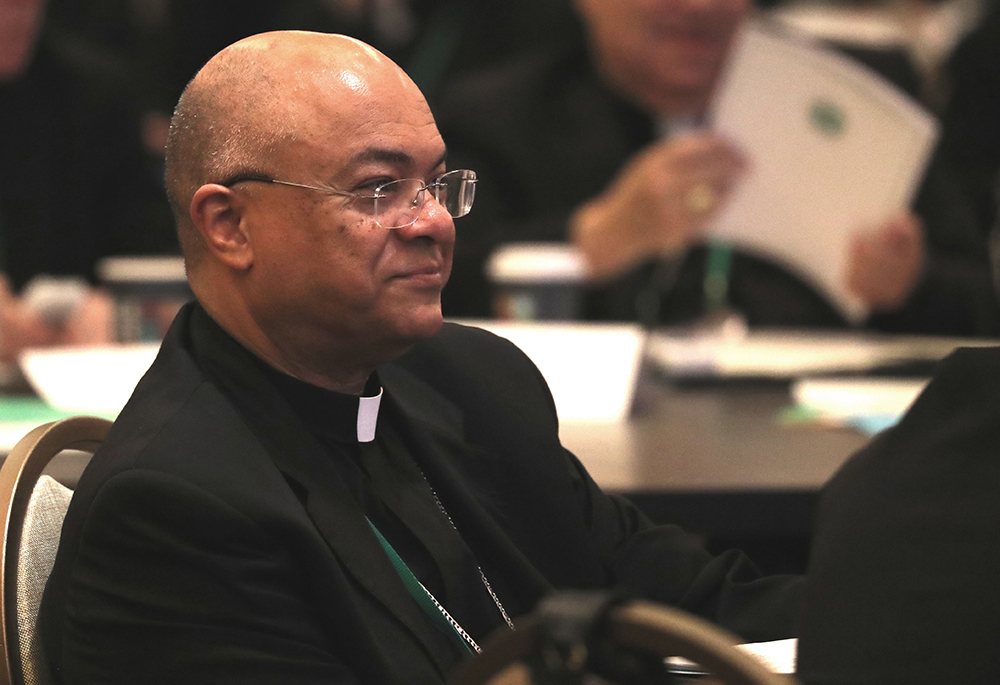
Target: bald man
x,y
317,481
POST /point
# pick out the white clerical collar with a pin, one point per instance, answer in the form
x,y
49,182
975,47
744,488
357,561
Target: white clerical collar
x,y
368,416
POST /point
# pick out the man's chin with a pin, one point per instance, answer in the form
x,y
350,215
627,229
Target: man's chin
x,y
420,323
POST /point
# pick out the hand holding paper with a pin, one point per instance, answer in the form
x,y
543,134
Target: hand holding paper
x,y
659,202
884,265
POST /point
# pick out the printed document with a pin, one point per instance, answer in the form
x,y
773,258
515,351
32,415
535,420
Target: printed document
x,y
834,150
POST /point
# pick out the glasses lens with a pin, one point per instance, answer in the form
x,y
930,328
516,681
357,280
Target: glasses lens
x,y
456,190
398,203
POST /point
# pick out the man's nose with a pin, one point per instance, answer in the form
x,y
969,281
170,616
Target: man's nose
x,y
433,221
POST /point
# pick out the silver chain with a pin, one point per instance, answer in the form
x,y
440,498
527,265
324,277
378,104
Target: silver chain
x,y
454,624
486,583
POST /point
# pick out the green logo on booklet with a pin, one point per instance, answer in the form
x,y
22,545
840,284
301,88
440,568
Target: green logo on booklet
x,y
827,118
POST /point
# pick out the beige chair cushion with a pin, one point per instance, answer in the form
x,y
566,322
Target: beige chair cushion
x,y
39,542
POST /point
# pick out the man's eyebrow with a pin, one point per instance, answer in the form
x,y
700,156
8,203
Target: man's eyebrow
x,y
380,154
390,156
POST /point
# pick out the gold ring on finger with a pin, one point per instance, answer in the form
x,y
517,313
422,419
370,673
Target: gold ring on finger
x,y
700,199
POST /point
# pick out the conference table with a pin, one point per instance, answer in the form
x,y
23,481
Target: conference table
x,y
717,459
710,437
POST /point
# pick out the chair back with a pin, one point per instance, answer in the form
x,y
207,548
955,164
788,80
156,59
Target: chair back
x,y
32,508
654,628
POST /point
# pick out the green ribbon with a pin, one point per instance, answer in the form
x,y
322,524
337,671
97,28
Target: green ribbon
x,y
716,284
417,590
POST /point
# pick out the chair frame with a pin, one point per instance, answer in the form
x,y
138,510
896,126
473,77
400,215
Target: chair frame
x,y
20,472
652,627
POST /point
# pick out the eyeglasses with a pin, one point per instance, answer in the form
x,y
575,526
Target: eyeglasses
x,y
397,203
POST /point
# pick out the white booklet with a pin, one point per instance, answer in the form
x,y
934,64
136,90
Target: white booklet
x,y
778,656
834,149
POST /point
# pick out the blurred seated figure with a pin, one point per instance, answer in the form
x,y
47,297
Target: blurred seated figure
x,y
902,582
971,120
597,140
436,40
74,186
432,39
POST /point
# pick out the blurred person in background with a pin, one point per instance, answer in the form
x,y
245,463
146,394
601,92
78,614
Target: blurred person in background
x,y
165,42
69,143
436,40
971,119
598,140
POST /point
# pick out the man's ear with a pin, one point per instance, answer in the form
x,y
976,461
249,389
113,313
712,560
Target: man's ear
x,y
217,212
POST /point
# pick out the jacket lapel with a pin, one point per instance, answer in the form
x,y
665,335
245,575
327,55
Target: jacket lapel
x,y
326,498
433,427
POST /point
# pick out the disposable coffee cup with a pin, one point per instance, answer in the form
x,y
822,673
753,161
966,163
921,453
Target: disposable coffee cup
x,y
147,292
536,281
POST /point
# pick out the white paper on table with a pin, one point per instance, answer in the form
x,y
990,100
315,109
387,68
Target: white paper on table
x,y
778,656
784,353
767,353
840,398
97,379
833,148
591,369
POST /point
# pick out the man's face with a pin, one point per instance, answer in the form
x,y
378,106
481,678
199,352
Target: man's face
x,y
20,21
664,45
323,269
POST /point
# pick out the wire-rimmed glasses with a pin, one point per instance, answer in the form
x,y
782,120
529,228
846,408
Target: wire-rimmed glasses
x,y
397,203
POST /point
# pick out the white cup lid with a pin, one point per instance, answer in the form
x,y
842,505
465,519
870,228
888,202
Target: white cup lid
x,y
536,263
153,269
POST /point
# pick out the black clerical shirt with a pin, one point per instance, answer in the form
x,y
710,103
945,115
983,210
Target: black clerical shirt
x,y
383,475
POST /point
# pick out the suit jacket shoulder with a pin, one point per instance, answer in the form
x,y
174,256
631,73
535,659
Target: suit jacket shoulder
x,y
902,578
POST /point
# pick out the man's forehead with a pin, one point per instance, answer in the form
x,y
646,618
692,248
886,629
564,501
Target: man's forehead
x,y
372,135
303,77
345,98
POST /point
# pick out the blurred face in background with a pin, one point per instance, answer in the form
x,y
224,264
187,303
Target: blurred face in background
x,y
20,22
664,55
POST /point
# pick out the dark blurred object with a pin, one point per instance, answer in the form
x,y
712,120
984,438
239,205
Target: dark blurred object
x,y
577,637
971,120
75,184
169,40
902,582
435,40
895,65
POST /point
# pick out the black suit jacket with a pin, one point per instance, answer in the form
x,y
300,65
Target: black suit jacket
x,y
903,580
199,549
546,135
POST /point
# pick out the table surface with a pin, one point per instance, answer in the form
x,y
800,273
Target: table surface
x,y
710,438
